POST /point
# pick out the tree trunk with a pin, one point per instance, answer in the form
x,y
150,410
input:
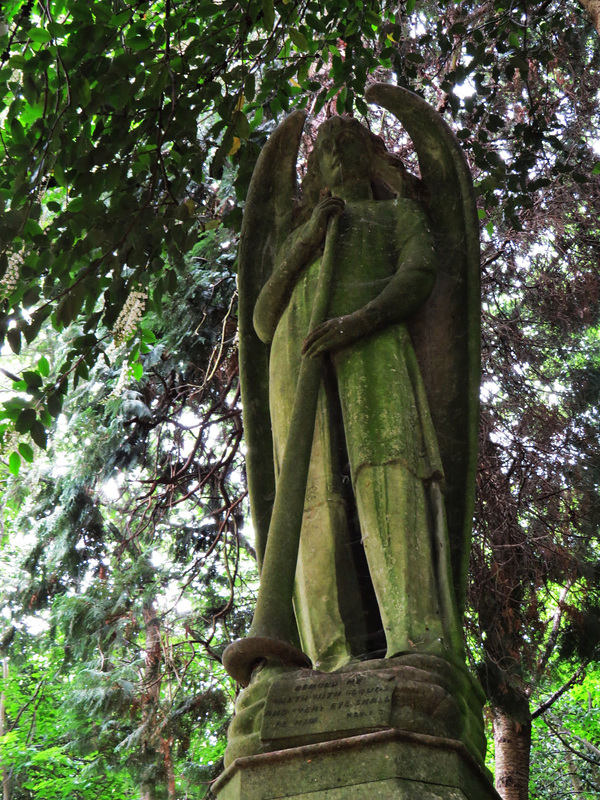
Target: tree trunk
x,y
573,773
167,750
147,792
152,684
513,743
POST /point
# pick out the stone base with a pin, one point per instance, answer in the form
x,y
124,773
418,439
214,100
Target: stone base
x,y
286,707
385,765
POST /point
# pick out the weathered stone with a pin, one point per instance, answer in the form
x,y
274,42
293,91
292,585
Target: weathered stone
x,y
359,337
385,765
285,707
363,384
333,704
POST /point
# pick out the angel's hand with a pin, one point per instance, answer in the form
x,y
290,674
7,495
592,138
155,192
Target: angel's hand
x,y
324,211
337,333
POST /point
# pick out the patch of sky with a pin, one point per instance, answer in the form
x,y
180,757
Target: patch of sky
x,y
111,489
465,89
35,625
488,391
158,558
499,437
419,26
521,369
188,419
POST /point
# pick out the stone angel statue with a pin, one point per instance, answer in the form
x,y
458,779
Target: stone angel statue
x,y
359,358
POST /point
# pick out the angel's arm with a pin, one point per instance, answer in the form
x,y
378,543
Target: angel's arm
x,y
402,296
297,252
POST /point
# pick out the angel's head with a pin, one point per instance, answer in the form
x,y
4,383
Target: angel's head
x,y
346,151
342,152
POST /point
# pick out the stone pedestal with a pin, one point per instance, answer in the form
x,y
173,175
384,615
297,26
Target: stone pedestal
x,y
384,765
408,728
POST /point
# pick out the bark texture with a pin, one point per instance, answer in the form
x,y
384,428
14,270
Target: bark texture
x,y
593,9
512,742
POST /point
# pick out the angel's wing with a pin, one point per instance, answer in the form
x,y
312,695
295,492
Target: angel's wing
x,y
267,221
446,331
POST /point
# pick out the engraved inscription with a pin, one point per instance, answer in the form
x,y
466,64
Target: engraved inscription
x,y
317,704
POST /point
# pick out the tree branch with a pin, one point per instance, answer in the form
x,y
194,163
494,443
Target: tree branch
x,y
579,673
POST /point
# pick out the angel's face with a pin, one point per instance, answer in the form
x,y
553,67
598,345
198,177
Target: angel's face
x,y
342,155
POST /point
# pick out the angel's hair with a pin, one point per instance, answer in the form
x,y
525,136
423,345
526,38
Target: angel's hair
x,y
388,175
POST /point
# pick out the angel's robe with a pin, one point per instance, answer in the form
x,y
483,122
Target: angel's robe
x,y
374,453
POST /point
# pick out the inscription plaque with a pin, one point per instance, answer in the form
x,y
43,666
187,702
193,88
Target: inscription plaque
x,y
306,707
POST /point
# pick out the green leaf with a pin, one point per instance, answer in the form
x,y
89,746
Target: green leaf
x,y
299,39
250,87
138,42
84,92
39,35
54,404
38,434
45,417
68,308
373,18
85,341
31,296
82,371
56,29
579,177
25,420
268,14
258,117
32,228
59,175
14,340
76,204
43,366
241,126
410,6
315,23
14,463
17,130
340,103
26,451
37,319
119,19
596,170
14,406
523,66
32,379
138,371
